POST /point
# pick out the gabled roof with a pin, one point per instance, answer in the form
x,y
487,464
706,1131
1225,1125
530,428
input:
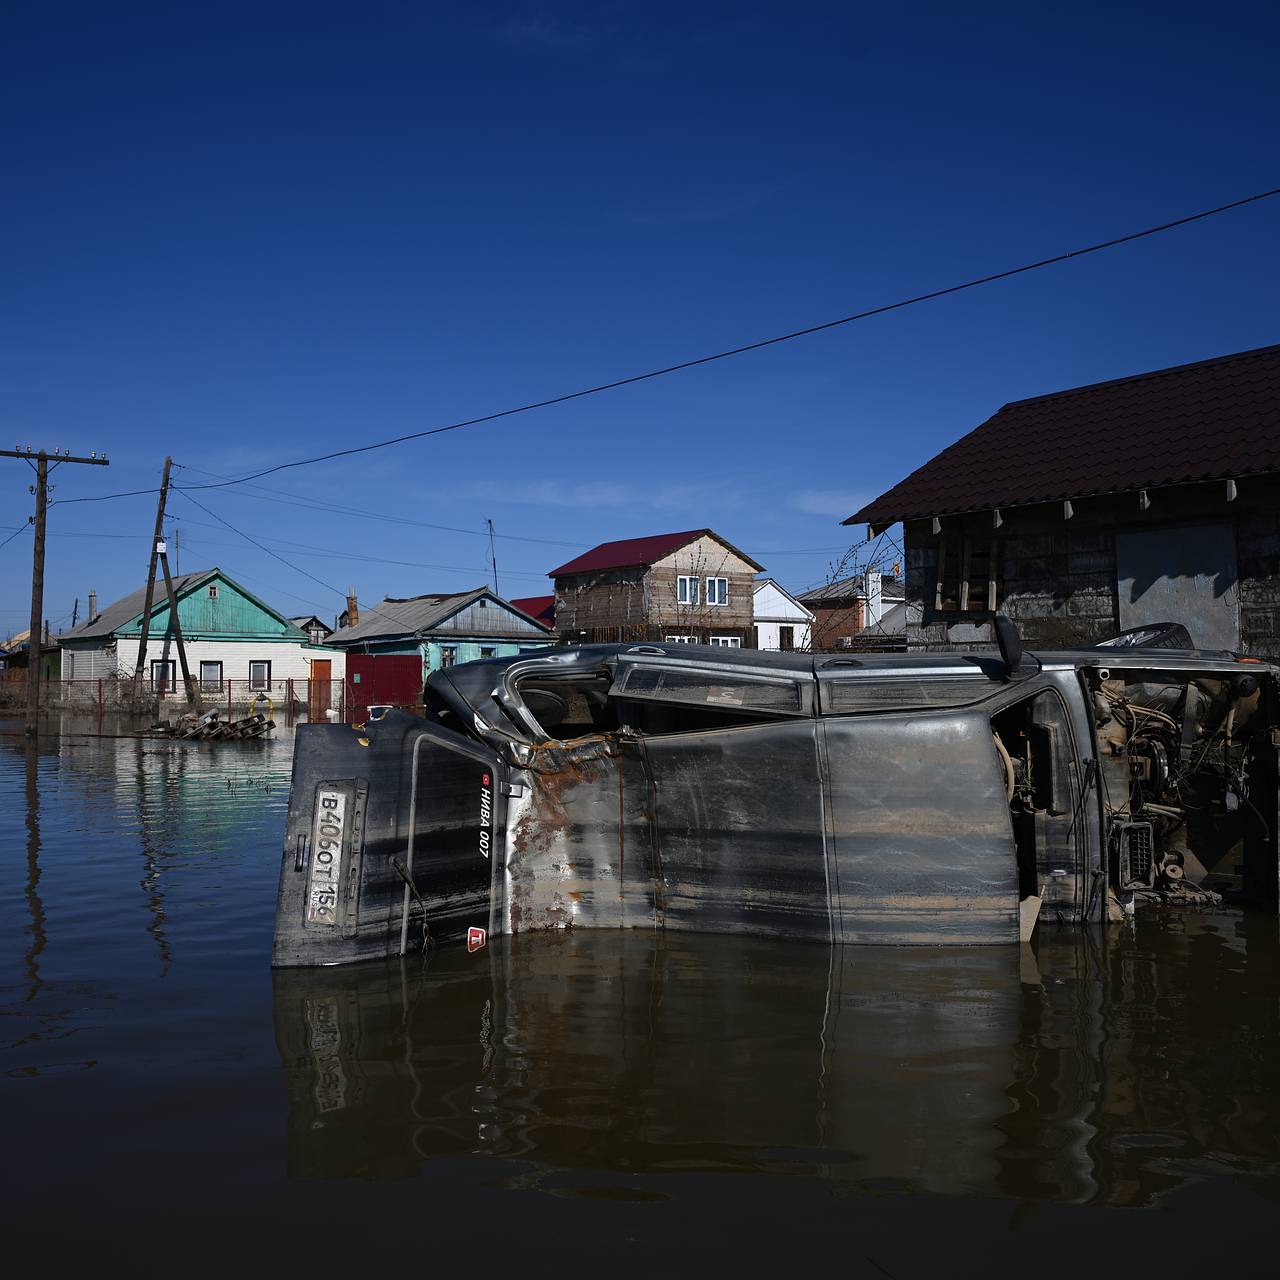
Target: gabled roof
x,y
303,621
1212,420
764,584
541,608
394,618
123,611
853,588
630,553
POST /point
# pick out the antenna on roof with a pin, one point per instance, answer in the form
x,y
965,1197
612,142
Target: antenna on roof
x,y
493,558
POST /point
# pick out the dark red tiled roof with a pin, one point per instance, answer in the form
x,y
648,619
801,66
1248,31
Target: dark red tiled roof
x,y
539,608
1206,421
637,551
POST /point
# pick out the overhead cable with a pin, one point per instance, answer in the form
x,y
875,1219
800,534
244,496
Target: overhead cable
x,y
733,351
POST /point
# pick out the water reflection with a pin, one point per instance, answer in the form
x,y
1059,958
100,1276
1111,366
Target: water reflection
x,y
35,927
1077,1072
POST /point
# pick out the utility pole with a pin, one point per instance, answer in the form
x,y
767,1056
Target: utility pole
x,y
493,558
75,613
141,671
40,463
187,684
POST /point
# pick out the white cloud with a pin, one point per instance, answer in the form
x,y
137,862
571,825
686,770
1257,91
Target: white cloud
x,y
841,503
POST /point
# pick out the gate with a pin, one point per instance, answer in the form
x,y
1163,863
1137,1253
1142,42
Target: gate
x,y
382,680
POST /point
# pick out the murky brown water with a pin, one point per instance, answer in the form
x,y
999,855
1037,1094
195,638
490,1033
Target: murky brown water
x,y
667,1105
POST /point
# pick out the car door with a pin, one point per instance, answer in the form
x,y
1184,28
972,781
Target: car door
x,y
730,751
923,851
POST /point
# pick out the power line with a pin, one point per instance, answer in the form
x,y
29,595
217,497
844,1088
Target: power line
x,y
733,351
302,548
327,585
318,504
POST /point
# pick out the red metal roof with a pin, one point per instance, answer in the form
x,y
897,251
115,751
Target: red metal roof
x,y
539,608
1211,420
637,551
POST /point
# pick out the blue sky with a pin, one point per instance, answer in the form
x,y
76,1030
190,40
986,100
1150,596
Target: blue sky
x,y
241,234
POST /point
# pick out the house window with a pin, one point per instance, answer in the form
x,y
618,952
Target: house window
x,y
487,650
260,675
727,642
717,590
213,592
211,676
316,634
968,578
686,590
448,655
162,676
680,639
786,639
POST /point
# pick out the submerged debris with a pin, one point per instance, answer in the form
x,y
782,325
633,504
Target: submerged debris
x,y
210,726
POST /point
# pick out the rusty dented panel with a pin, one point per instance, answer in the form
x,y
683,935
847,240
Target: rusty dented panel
x,y
924,849
580,848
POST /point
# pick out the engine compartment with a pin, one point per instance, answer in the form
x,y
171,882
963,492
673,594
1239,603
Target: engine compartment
x,y
1188,781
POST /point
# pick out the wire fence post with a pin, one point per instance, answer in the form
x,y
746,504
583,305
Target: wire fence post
x,y
228,699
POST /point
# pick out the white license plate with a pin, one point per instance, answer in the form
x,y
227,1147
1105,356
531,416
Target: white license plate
x,y
326,857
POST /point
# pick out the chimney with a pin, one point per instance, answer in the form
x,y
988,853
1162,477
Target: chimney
x,y
353,609
875,603
93,605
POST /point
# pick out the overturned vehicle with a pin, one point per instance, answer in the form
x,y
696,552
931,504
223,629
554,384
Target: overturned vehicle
x,y
882,798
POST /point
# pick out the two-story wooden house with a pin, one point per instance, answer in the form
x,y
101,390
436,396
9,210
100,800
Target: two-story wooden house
x,y
680,588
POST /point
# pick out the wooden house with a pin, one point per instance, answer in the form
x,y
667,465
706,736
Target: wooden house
x,y
443,628
228,633
680,588
392,647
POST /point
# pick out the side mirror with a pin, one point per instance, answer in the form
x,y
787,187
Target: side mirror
x,y
1009,642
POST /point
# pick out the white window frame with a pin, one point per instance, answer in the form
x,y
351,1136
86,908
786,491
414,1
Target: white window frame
x,y
213,591
168,666
254,686
686,589
718,592
727,642
207,685
680,639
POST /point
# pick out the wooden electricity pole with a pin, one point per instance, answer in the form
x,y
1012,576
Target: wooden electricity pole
x,y
40,462
160,555
141,670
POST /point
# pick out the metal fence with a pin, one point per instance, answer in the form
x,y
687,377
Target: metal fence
x,y
288,700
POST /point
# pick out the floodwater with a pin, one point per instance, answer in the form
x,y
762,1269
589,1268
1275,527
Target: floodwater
x,y
664,1105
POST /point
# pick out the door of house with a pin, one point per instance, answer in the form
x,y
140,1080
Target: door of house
x,y
1181,573
319,692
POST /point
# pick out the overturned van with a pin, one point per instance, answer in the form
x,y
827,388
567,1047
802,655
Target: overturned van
x,y
876,798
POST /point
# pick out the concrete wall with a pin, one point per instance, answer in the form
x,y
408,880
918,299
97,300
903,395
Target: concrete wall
x,y
1057,578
